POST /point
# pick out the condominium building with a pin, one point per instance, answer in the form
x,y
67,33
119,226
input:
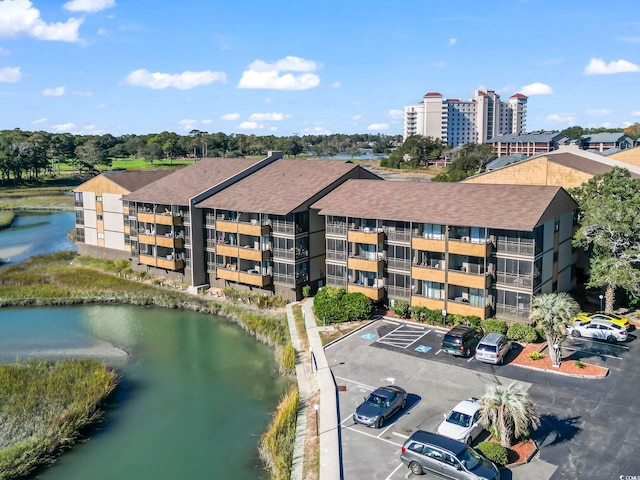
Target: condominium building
x,y
467,249
275,225
529,144
100,225
457,122
601,142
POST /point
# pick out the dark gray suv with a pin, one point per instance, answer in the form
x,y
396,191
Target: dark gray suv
x,y
427,452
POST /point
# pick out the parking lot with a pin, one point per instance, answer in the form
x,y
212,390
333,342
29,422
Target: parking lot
x,y
571,437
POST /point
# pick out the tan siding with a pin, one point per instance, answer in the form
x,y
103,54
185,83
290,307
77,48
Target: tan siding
x,y
630,156
529,172
566,177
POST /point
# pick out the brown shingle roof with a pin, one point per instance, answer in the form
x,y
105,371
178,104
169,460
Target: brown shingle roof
x,y
510,207
280,187
180,186
133,180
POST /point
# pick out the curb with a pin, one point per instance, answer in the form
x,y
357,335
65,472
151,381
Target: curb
x,y
547,370
527,460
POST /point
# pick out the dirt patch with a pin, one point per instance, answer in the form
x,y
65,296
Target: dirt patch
x,y
567,367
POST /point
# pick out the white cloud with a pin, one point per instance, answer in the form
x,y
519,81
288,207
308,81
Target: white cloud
x,y
64,127
356,117
597,66
336,85
188,124
262,75
20,17
317,131
568,118
10,74
636,113
550,61
378,126
53,92
207,121
182,81
273,128
603,112
536,88
395,113
102,31
273,117
39,121
230,116
101,105
452,41
88,5
250,126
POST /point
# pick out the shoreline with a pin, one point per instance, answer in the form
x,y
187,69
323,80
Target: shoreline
x,y
7,253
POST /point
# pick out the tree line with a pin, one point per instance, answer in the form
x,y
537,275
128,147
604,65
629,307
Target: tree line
x,y
28,155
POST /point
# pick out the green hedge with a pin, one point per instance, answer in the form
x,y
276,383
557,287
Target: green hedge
x,y
493,325
335,305
521,332
494,452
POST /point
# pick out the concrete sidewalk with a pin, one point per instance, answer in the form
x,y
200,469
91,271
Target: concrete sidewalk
x,y
314,376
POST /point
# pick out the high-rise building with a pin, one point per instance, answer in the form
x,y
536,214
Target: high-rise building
x,y
457,122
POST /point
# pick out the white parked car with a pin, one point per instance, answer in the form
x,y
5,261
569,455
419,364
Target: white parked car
x,y
598,329
462,423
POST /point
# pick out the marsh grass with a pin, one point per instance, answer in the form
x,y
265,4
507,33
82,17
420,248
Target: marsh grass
x,y
44,405
276,444
6,218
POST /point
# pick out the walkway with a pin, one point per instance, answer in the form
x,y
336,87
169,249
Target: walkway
x,y
314,376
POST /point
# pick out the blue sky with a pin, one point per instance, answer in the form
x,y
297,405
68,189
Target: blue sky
x,y
283,68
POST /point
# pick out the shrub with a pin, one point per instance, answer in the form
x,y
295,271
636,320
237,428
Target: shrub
x,y
542,336
357,306
401,308
579,364
522,332
535,356
334,305
493,325
494,452
418,313
306,291
288,360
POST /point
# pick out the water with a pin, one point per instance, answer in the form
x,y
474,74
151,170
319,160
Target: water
x,y
38,233
195,396
196,391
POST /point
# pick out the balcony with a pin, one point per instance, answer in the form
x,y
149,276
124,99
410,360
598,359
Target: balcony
x,y
227,273
297,279
430,303
508,312
365,235
254,278
161,240
514,280
374,293
336,229
398,292
427,273
227,250
462,246
168,263
249,253
160,218
427,244
399,236
403,264
517,247
336,256
290,253
464,279
458,307
366,264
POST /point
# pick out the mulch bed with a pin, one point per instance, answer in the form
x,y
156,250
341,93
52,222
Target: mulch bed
x,y
521,452
567,366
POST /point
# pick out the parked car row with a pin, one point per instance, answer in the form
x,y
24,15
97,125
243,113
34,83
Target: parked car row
x,y
466,341
447,453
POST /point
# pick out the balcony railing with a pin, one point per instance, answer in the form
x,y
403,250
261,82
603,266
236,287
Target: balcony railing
x,y
398,263
336,229
285,228
508,312
296,279
518,247
337,255
515,280
398,292
211,244
337,281
403,236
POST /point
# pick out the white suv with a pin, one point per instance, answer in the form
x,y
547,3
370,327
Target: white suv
x,y
462,423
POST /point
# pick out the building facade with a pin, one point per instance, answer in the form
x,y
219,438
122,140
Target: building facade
x,y
529,144
457,122
601,142
464,249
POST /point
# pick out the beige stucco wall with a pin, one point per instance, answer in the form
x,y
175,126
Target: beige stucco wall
x,y
528,172
565,177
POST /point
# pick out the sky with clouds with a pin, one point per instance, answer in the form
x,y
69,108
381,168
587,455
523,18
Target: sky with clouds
x,y
283,68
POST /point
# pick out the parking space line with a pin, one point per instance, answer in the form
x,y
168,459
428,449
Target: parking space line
x,y
471,358
357,383
392,473
400,435
403,336
372,436
592,352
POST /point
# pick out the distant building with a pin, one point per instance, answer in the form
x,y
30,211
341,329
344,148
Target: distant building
x,y
528,144
457,122
601,142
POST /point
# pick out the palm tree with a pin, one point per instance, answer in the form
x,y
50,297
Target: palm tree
x,y
508,412
552,312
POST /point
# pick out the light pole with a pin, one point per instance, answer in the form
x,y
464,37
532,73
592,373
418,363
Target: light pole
x,y
315,408
600,297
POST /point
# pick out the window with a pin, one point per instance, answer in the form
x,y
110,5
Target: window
x,y
99,217
433,290
101,235
98,198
